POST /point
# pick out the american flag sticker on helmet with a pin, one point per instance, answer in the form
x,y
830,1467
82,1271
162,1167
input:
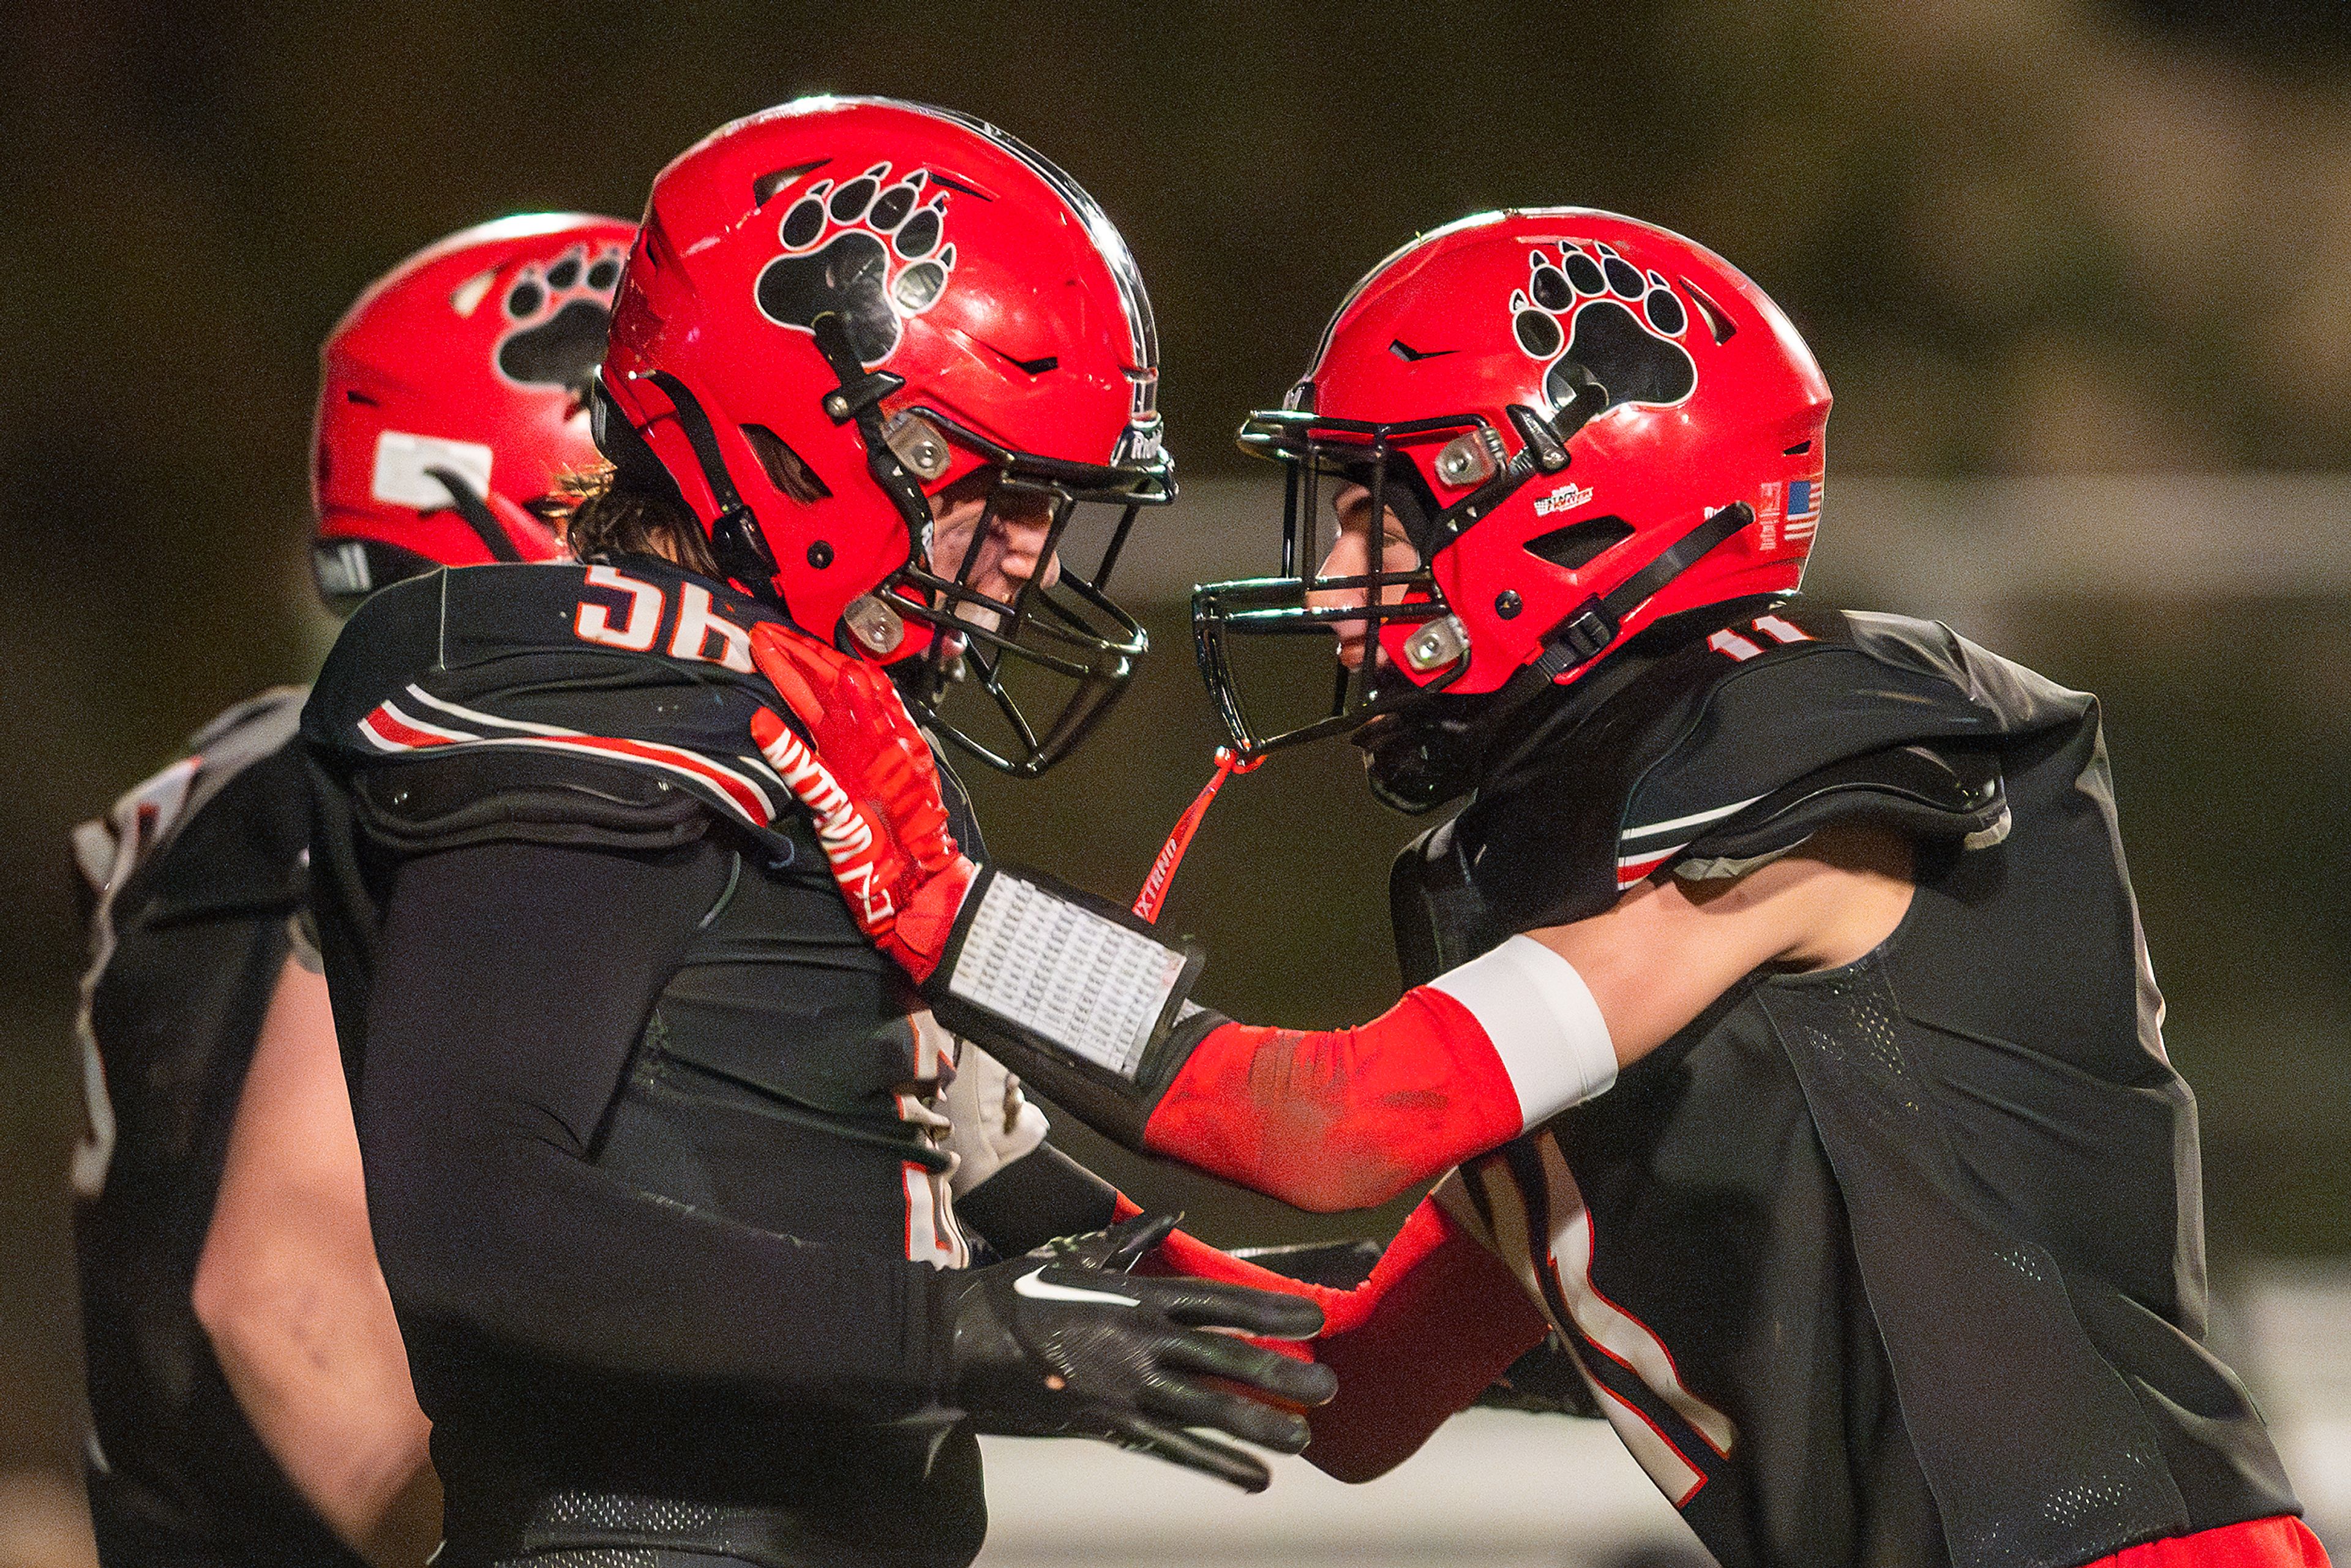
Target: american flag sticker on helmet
x,y
1803,509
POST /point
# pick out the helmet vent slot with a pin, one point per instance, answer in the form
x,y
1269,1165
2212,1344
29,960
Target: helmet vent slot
x,y
787,470
1036,367
1578,545
1798,450
1718,320
775,179
953,183
353,394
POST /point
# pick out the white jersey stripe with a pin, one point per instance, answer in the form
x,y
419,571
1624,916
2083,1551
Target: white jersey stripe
x,y
1665,1464
677,760
1510,1239
1692,821
475,716
1612,1330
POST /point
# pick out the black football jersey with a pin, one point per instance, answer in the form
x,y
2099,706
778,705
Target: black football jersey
x,y
784,1079
1897,1262
193,876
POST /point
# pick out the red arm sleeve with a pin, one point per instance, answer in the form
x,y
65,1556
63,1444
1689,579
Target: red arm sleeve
x,y
1339,1119
1443,1320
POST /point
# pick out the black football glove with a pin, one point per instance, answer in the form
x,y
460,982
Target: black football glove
x,y
1065,1342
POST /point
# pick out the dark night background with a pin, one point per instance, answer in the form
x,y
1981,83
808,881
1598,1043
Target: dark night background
x,y
2025,237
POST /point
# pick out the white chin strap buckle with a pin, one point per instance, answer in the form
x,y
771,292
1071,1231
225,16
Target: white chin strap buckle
x,y
874,624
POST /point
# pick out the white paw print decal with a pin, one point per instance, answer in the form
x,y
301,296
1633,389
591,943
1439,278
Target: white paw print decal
x,y
1601,322
871,250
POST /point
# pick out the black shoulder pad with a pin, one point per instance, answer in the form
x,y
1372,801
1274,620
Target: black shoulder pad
x,y
1604,790
1439,913
1931,792
1790,698
444,802
389,641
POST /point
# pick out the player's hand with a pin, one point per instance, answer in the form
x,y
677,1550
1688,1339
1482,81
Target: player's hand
x,y
874,790
1065,1342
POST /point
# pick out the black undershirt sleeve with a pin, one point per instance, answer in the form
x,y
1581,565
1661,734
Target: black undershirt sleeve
x,y
1042,1195
512,984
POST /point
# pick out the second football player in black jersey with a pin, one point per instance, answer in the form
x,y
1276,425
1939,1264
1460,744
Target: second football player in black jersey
x,y
1779,990
251,1399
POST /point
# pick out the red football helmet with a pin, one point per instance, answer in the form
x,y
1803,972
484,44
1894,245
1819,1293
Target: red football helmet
x,y
841,307
1585,423
453,393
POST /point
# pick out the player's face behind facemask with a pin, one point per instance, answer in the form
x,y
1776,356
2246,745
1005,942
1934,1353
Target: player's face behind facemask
x,y
1335,660
1350,557
1415,758
997,550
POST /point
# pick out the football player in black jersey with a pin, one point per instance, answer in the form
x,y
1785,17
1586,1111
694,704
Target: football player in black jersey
x,y
251,1397
1885,1246
662,1156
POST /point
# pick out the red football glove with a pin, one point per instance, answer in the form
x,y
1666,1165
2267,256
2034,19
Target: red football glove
x,y
874,790
1440,1319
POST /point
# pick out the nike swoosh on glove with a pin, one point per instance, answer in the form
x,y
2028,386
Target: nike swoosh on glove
x,y
1065,1342
870,783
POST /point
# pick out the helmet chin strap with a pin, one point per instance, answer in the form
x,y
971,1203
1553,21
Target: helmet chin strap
x,y
468,503
735,536
1591,628
858,399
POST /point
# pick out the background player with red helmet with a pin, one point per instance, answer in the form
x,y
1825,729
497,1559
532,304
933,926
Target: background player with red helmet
x,y
1887,1245
658,1154
251,1395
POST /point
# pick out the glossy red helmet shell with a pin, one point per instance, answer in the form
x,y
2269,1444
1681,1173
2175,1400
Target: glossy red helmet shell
x,y
472,357
959,263
1680,387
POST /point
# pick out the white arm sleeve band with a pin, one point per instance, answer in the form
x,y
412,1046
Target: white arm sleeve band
x,y
1542,1022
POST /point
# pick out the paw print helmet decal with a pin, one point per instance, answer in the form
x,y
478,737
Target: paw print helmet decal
x,y
1585,423
840,308
453,394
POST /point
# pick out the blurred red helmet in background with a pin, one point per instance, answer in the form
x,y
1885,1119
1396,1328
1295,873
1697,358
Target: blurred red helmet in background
x,y
453,393
838,307
1585,423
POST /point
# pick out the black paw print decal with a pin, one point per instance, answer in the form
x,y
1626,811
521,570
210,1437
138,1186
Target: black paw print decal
x,y
1619,333
559,315
869,250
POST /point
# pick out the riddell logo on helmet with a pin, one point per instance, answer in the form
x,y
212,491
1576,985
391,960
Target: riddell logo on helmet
x,y
1566,499
1138,444
1601,323
870,250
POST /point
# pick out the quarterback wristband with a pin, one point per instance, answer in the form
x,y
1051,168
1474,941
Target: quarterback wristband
x,y
1071,991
